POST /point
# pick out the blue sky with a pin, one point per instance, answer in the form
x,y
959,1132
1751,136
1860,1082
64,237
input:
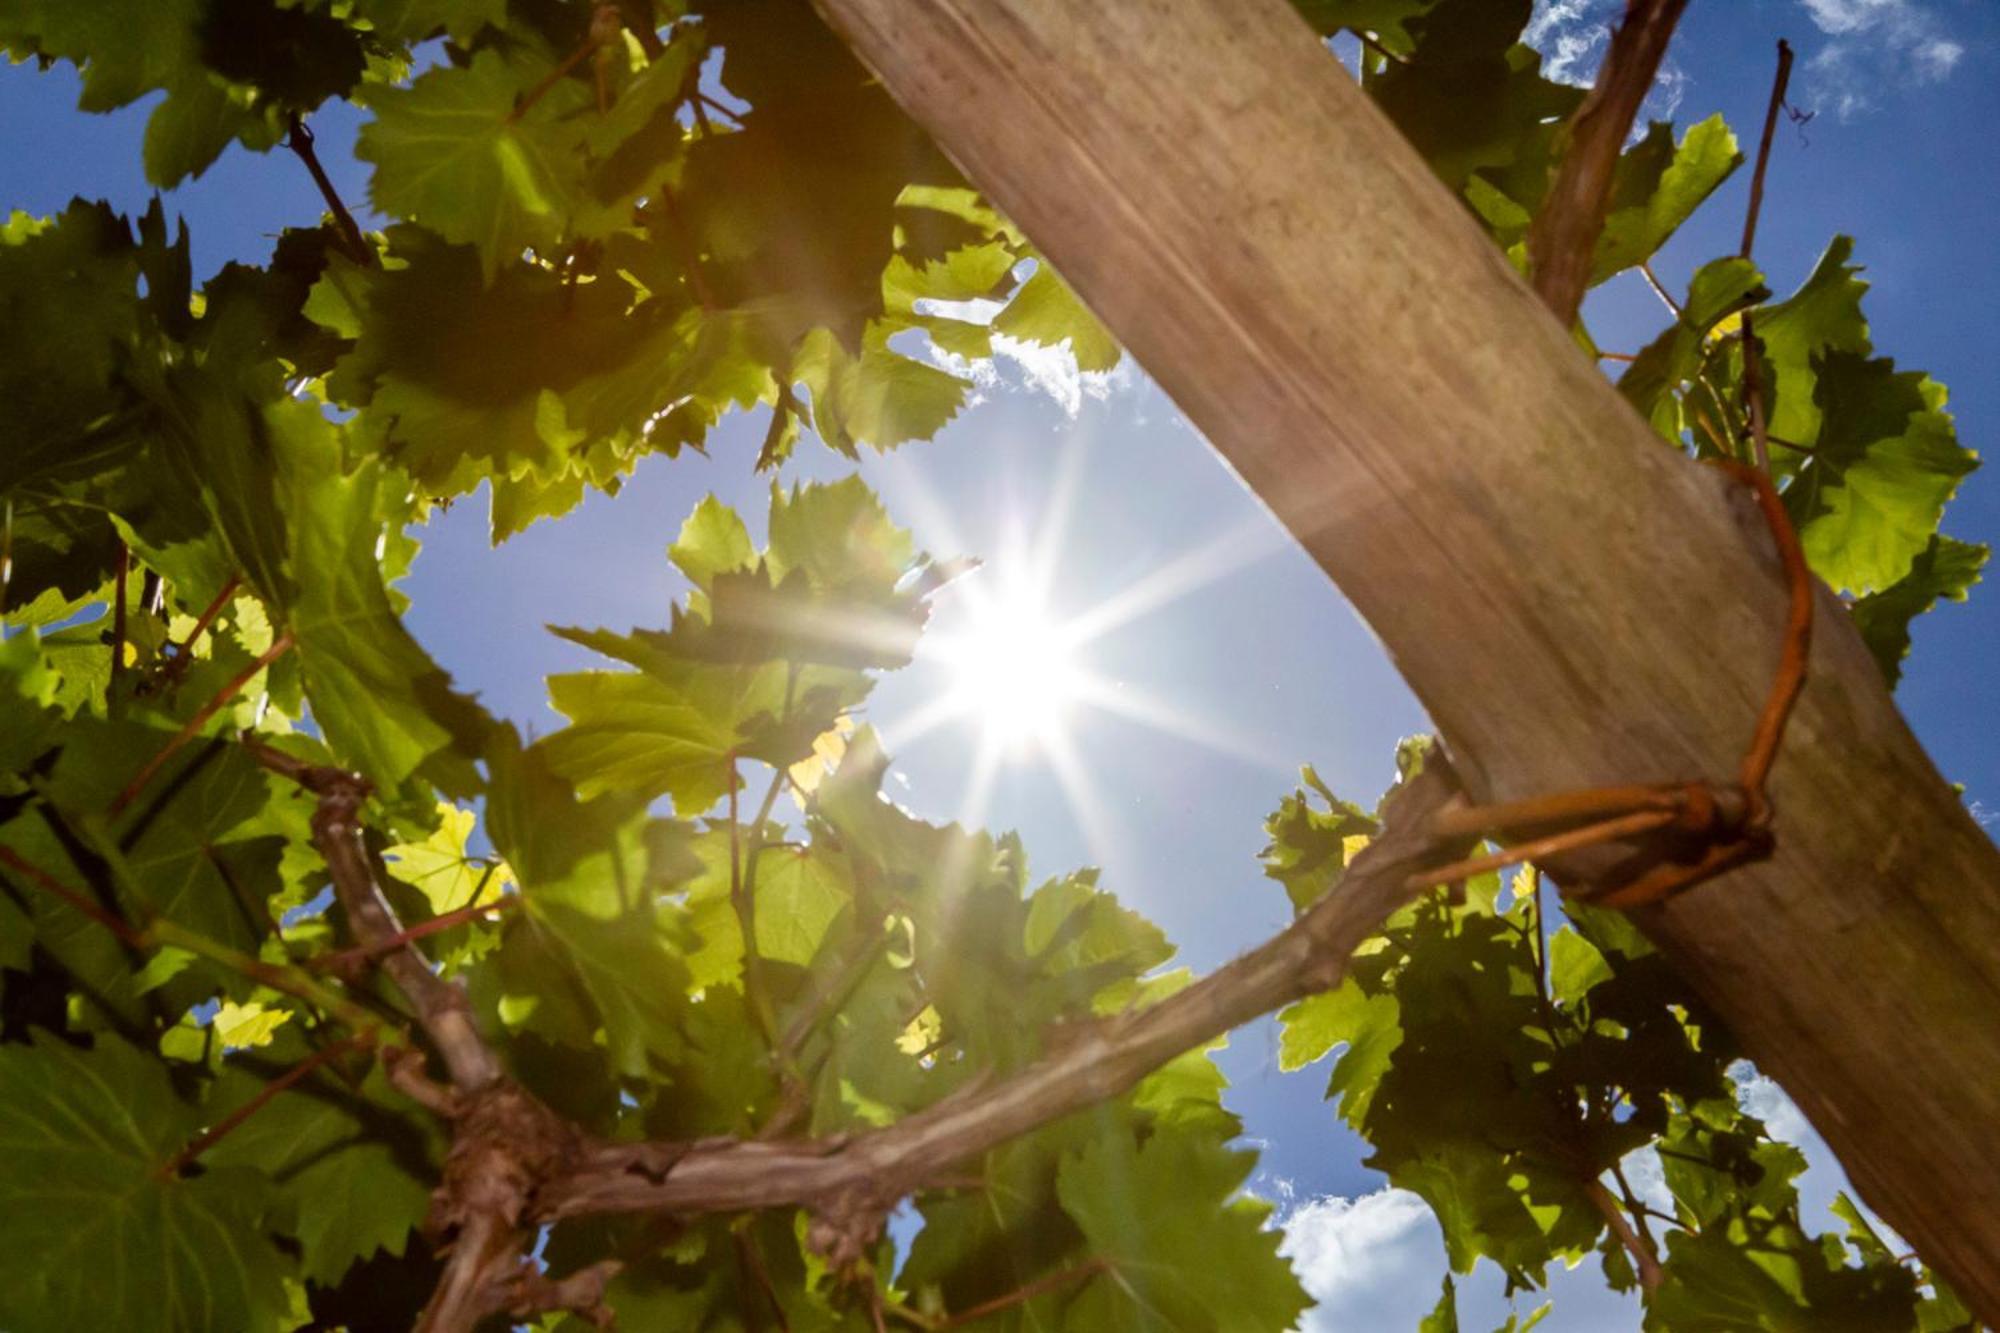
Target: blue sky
x,y
1260,662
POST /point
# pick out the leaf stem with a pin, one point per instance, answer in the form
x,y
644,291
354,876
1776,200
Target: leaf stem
x,y
1659,288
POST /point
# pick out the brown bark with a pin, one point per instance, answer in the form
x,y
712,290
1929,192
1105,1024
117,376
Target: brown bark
x,y
1563,239
1575,604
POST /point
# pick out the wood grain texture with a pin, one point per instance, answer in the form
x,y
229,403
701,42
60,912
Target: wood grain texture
x,y
1573,602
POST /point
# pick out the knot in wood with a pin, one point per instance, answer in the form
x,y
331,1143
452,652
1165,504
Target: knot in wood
x,y
843,1226
506,1148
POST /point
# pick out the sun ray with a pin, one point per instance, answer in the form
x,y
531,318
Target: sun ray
x,y
1136,704
1211,562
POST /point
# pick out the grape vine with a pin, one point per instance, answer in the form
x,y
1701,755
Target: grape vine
x,y
282,1049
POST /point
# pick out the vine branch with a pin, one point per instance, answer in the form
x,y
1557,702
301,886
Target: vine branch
x,y
505,1144
1562,240
1104,1060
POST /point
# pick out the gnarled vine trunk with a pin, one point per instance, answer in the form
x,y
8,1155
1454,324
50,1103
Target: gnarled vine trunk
x,y
1573,602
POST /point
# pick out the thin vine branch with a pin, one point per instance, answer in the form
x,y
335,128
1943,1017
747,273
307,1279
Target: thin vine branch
x,y
1562,240
1643,1258
183,653
1753,373
300,141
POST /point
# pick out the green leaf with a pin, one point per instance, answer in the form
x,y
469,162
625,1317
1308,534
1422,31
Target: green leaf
x,y
1575,966
1046,311
386,707
676,729
91,1234
1868,501
449,876
712,541
1822,316
1669,191
344,1164
451,151
1309,848
1946,570
800,894
839,534
1183,1251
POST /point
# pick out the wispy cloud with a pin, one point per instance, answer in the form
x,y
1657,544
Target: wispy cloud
x,y
1874,45
1572,35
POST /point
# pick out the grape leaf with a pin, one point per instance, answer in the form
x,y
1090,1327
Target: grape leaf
x,y
1659,187
1869,499
1182,1252
453,152
1946,570
347,1168
90,1232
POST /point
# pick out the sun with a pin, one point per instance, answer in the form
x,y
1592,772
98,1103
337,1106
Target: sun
x,y
1013,669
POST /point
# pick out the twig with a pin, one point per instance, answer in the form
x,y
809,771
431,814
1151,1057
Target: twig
x,y
1103,1059
184,650
755,983
554,76
1634,1207
441,1008
300,141
200,719
690,254
6,563
346,959
1373,43
162,932
1659,288
1753,374
111,692
1562,240
752,1258
1643,1258
1054,1281
507,1147
222,1128
699,99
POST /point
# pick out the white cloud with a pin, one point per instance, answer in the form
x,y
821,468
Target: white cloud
x,y
1875,45
1025,366
1572,35
1377,1262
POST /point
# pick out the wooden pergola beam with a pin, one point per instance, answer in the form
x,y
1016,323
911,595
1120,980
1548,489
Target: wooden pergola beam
x,y
1574,603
